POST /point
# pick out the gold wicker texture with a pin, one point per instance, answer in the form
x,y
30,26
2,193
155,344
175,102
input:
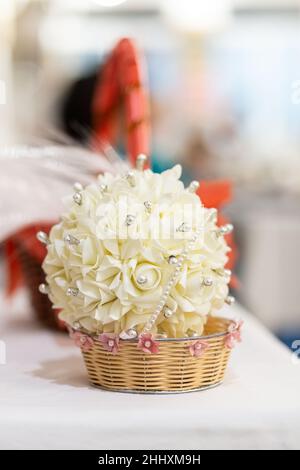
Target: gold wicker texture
x,y
173,369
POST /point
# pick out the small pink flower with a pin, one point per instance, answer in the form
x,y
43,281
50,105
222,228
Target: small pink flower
x,y
230,341
110,342
82,341
147,344
234,334
198,348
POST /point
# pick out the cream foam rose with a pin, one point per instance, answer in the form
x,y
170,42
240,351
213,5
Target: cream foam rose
x,y
114,251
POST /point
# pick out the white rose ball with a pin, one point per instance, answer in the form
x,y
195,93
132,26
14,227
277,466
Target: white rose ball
x,y
108,259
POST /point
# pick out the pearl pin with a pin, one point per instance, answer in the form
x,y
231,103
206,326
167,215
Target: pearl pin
x,y
103,188
148,206
230,300
208,282
193,186
129,219
42,237
140,162
184,227
142,280
173,260
72,292
130,178
78,187
71,240
167,312
44,289
128,334
225,230
77,197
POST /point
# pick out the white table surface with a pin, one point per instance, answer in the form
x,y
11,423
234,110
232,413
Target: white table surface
x,y
46,402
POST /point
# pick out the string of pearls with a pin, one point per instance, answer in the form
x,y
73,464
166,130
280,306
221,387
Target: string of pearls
x,y
170,284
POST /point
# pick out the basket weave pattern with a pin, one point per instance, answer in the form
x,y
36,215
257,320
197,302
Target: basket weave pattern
x,y
173,369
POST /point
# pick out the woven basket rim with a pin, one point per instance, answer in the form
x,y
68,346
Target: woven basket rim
x,y
227,322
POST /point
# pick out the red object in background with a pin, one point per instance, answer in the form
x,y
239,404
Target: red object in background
x,y
216,194
121,85
26,237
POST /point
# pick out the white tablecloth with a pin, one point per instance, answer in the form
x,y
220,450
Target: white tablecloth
x,y
46,402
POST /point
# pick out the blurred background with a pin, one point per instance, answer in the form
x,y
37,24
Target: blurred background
x,y
224,81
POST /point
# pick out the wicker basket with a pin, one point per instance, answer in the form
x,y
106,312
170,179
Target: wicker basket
x,y
172,370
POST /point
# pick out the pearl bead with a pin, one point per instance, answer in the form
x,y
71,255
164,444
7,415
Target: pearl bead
x,y
82,340
130,178
78,187
42,237
72,292
132,333
230,300
129,220
212,214
172,260
111,343
71,240
168,312
193,186
148,206
77,197
147,344
142,280
140,162
225,230
208,282
184,227
76,325
128,334
103,187
44,289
